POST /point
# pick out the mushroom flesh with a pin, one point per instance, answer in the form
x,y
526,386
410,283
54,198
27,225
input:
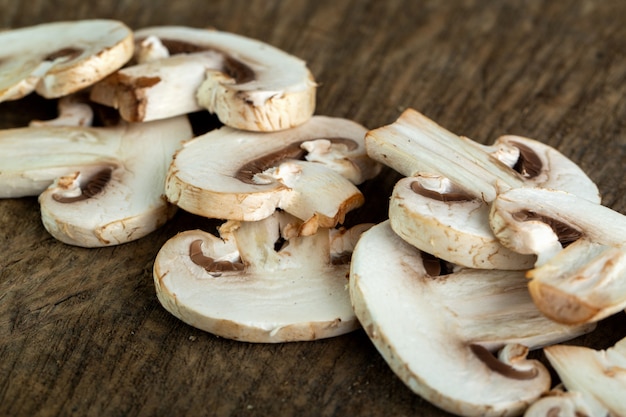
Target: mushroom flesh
x,y
248,84
437,327
309,171
97,186
60,58
442,206
580,274
257,282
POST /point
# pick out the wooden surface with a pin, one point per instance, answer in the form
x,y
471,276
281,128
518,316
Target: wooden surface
x,y
81,331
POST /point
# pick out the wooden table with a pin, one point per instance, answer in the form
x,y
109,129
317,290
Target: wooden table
x,y
81,330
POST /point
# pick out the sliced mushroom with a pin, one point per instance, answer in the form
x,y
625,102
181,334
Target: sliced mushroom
x,y
248,84
572,282
259,282
97,186
443,205
237,175
437,330
559,403
56,59
599,376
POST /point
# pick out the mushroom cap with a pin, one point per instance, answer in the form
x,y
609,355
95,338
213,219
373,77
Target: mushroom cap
x,y
599,375
435,331
118,199
294,293
237,175
59,58
247,83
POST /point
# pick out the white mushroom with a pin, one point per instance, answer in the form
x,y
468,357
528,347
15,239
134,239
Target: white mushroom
x,y
443,205
597,378
248,84
437,330
259,282
237,175
580,274
99,186
56,59
559,403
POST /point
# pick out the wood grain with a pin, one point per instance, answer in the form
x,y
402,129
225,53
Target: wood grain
x,y
81,331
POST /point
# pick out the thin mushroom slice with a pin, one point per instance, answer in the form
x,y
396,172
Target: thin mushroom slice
x,y
248,84
97,186
559,403
309,171
60,58
452,181
122,201
438,330
580,274
257,282
599,375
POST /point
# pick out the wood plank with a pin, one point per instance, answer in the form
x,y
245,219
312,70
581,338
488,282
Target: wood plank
x,y
81,331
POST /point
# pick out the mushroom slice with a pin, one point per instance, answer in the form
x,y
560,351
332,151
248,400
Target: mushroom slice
x,y
443,206
97,186
122,201
237,175
248,84
56,59
559,403
258,283
600,376
437,330
580,275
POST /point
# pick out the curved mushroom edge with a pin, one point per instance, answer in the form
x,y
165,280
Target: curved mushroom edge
x,y
310,171
247,83
259,281
59,58
435,330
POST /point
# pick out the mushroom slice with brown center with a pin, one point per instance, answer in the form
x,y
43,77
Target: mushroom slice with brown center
x,y
309,171
438,330
259,282
248,84
97,186
595,378
580,275
59,58
442,207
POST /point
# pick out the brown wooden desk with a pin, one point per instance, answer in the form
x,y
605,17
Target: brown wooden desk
x,y
81,331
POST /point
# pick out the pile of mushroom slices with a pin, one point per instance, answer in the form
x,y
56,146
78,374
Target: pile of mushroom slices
x,y
97,185
468,226
104,185
278,271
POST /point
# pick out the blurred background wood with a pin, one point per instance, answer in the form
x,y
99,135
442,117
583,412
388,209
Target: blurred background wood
x,y
81,330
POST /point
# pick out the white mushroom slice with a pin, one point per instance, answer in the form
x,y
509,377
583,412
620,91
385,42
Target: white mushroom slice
x,y
443,208
558,403
437,331
56,59
123,201
600,376
283,288
248,84
572,282
237,175
99,186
